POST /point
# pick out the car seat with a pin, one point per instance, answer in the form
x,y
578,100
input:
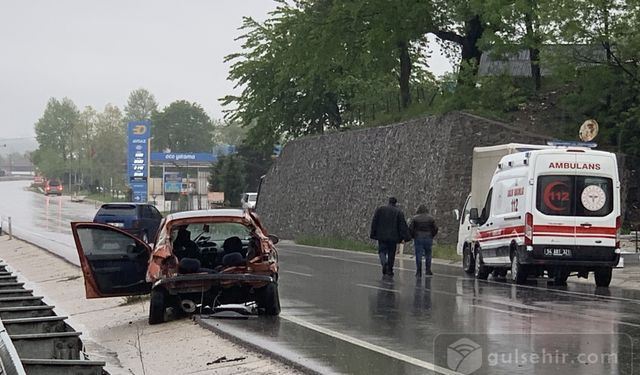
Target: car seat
x,y
233,253
183,247
233,245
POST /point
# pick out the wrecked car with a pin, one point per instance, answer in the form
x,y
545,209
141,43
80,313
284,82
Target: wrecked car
x,y
200,259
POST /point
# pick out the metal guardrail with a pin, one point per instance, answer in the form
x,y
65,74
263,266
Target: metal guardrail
x,y
33,339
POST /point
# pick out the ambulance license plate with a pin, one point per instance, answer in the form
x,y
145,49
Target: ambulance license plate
x,y
555,252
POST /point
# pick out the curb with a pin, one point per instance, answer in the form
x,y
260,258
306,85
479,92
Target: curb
x,y
255,347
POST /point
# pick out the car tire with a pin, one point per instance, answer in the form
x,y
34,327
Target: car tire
x,y
603,276
480,270
157,305
468,262
268,300
518,271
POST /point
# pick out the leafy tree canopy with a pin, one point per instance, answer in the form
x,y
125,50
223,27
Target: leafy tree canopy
x,y
182,126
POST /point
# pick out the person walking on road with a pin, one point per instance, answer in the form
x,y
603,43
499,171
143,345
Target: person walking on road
x,y
423,228
389,228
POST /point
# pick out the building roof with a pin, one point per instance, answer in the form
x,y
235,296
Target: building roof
x,y
517,64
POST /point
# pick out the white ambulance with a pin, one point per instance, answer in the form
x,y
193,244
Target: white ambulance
x,y
536,208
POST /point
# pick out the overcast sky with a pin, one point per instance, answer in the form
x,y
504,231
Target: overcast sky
x,y
97,52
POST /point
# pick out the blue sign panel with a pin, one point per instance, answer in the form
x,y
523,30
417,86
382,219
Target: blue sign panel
x,y
183,157
138,133
172,182
139,189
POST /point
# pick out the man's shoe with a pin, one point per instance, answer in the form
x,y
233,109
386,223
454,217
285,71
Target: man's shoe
x,y
428,273
418,273
390,273
384,270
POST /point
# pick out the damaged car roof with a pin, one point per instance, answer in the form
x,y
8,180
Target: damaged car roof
x,y
207,213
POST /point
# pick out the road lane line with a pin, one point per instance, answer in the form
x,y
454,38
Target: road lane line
x,y
298,273
583,295
369,346
378,288
528,316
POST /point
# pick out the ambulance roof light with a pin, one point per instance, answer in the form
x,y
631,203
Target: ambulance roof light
x,y
558,143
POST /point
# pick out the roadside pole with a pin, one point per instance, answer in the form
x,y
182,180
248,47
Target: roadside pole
x,y
10,231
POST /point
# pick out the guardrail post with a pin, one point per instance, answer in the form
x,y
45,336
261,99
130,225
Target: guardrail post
x,y
10,231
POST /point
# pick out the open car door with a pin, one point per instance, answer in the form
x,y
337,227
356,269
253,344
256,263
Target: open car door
x,y
114,263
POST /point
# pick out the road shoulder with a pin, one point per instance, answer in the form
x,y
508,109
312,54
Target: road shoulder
x,y
119,334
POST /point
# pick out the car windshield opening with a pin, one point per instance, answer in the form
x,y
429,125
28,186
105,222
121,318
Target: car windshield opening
x,y
216,232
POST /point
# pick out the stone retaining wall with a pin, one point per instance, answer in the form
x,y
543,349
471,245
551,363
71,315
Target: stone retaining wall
x,y
330,185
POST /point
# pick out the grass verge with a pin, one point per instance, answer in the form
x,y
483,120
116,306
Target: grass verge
x,y
337,243
440,251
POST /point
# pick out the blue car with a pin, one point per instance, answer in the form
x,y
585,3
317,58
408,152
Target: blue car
x,y
139,219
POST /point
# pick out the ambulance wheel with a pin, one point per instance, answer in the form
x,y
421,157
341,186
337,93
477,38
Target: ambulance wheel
x,y
603,276
468,263
560,277
481,271
518,271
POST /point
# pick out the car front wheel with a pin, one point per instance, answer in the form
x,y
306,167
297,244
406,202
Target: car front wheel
x,y
268,300
518,271
481,271
467,261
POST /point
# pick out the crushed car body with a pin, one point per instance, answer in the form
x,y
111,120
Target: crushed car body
x,y
200,259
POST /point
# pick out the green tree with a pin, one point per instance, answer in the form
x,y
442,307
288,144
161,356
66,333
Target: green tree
x,y
55,129
317,66
109,148
227,175
602,66
182,126
140,105
228,133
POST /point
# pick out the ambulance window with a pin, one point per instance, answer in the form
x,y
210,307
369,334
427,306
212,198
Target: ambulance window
x,y
486,211
465,210
555,195
595,196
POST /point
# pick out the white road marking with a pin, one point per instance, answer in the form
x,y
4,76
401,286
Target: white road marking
x,y
298,273
528,316
378,288
372,347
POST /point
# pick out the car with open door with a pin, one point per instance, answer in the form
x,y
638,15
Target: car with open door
x,y
201,260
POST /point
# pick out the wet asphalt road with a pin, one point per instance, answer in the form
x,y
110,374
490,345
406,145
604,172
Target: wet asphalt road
x,y
43,221
341,316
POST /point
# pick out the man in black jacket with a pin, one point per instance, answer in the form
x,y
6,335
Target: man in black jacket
x,y
389,228
423,228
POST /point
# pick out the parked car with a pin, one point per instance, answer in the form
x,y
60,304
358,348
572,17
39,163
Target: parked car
x,y
139,219
249,201
201,259
53,187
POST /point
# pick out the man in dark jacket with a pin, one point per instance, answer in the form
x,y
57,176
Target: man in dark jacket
x,y
423,228
389,228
